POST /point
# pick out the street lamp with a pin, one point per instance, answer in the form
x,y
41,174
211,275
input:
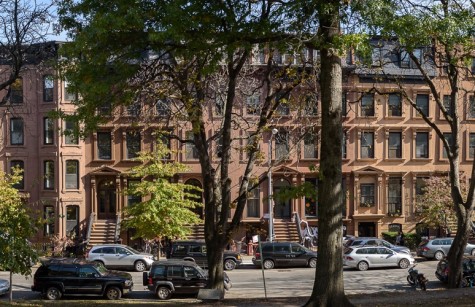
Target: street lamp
x,y
269,176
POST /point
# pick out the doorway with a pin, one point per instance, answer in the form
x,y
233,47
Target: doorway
x,y
366,229
106,199
282,208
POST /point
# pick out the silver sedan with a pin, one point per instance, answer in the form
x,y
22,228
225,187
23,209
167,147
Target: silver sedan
x,y
363,258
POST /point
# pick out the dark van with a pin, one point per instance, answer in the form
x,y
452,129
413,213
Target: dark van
x,y
284,254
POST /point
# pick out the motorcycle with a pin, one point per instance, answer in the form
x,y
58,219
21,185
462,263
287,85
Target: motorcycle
x,y
416,279
468,280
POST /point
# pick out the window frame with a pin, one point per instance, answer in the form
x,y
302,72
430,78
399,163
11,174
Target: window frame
x,y
21,164
425,108
392,105
133,144
48,175
16,91
100,143
68,182
70,139
397,148
48,131
367,105
416,147
395,185
282,145
368,197
365,144
254,203
48,88
471,146
310,145
20,134
191,152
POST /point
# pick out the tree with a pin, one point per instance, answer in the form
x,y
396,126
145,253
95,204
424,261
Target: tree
x,y
16,227
435,206
185,54
447,28
168,205
23,24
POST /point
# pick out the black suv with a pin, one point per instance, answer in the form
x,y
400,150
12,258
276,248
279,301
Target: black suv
x,y
58,277
177,276
196,251
282,254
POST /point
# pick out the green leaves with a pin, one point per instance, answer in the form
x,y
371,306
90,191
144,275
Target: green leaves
x,y
165,209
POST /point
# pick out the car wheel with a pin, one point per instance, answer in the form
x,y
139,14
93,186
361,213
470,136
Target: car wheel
x,y
363,266
268,264
163,293
98,262
53,293
404,263
229,265
438,255
140,266
113,293
312,263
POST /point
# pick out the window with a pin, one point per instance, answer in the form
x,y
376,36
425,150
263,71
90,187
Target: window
x,y
422,145
105,109
21,166
133,141
405,60
447,105
219,105
422,103
16,131
48,170
72,174
16,91
448,137
48,85
48,131
282,147
471,106
283,100
163,107
367,194
311,105
48,215
394,145
367,105
471,146
69,95
70,128
310,147
344,109
367,144
104,145
135,109
219,145
132,199
253,106
394,227
395,196
311,208
343,145
394,105
253,203
419,187
472,67
190,148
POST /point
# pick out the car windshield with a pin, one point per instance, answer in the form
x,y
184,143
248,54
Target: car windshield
x,y
423,242
101,268
132,250
201,271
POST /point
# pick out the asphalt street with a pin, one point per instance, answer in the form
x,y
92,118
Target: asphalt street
x,y
287,282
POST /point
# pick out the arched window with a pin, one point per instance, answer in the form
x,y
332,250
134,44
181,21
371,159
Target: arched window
x,y
395,227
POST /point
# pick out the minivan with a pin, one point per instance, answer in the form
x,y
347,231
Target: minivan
x,y
284,254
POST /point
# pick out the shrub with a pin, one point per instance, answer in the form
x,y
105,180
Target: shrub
x,y
411,240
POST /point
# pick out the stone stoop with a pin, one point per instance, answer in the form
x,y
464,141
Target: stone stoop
x,y
197,232
103,232
286,231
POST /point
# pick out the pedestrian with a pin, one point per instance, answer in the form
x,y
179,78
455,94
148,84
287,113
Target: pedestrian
x,y
398,238
401,241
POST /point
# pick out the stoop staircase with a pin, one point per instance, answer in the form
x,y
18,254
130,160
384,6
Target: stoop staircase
x,y
286,231
103,232
197,232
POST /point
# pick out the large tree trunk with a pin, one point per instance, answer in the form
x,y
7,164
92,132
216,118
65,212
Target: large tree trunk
x,y
328,288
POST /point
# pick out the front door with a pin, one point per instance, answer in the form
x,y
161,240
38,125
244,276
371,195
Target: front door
x,y
282,208
106,199
366,229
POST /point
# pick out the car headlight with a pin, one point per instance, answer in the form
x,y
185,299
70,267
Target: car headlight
x,y
128,282
238,256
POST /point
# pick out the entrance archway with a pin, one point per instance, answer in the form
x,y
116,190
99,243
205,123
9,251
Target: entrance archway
x,y
106,199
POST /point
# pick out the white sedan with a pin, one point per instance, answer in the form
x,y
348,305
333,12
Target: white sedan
x,y
363,258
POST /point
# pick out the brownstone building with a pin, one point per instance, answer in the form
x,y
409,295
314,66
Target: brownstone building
x,y
78,185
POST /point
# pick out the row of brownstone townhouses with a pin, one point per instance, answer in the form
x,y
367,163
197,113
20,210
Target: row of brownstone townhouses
x,y
388,150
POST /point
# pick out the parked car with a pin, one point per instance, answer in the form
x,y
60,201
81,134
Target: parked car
x,y
4,286
120,256
284,254
177,276
438,248
371,241
72,276
363,258
196,251
442,271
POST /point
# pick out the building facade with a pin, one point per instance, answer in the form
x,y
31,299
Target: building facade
x,y
388,150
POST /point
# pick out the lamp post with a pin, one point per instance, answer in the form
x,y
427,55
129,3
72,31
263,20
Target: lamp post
x,y
269,176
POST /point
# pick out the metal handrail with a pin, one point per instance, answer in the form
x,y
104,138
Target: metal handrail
x,y
92,218
297,224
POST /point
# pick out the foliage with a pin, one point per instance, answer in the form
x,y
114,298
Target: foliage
x,y
60,244
411,240
435,206
166,209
